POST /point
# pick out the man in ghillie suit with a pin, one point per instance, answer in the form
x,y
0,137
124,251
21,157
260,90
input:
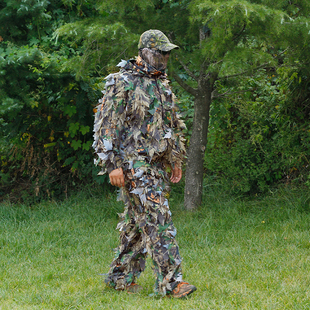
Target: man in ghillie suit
x,y
138,136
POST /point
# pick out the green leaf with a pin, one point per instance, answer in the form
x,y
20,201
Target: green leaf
x,y
74,167
84,129
69,161
86,145
73,128
70,110
76,144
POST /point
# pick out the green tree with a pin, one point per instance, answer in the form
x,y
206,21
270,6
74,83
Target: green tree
x,y
237,38
223,43
44,113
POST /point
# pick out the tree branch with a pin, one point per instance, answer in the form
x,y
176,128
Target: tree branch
x,y
189,72
184,85
216,63
239,34
203,68
228,94
281,53
265,65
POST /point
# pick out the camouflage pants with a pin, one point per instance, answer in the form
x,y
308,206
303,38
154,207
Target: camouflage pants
x,y
146,228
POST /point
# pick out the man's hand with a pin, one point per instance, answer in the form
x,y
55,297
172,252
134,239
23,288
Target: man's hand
x,y
176,174
117,177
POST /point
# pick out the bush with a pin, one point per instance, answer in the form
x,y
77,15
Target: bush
x,y
46,115
261,137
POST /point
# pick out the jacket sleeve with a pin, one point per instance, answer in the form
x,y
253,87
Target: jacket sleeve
x,y
109,120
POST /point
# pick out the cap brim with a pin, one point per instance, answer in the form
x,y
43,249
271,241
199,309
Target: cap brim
x,y
168,47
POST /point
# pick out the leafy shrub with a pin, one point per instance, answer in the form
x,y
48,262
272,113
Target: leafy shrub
x,y
46,116
261,137
49,129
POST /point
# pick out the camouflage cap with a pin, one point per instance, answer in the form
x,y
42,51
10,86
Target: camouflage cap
x,y
155,39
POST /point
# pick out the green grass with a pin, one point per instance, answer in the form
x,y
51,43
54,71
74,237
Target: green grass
x,y
240,253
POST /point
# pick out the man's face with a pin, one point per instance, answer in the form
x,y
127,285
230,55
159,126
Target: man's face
x,y
156,58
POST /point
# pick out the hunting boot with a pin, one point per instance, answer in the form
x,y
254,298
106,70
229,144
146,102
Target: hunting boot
x,y
183,289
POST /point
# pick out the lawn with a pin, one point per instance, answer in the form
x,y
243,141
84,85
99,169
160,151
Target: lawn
x,y
241,253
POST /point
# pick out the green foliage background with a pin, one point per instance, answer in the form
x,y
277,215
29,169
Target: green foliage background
x,y
46,113
262,137
54,56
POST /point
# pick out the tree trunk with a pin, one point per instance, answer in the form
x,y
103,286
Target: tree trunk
x,y
197,146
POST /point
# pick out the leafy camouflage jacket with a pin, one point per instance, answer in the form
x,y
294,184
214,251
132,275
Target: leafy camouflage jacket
x,y
137,119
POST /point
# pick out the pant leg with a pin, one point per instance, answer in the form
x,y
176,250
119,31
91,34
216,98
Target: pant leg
x,y
130,255
160,233
149,189
146,227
